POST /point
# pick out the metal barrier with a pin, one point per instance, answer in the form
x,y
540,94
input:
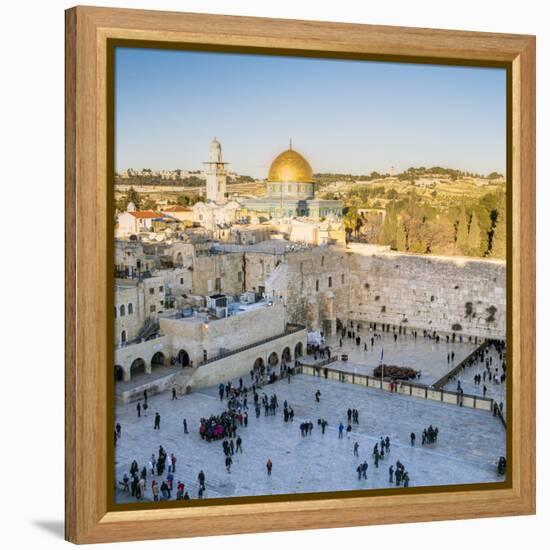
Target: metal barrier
x,y
401,387
464,363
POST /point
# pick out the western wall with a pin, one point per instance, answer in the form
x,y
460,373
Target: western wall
x,y
449,294
367,283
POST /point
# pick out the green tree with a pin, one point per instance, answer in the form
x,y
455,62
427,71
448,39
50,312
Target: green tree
x,y
400,238
462,231
388,233
474,236
498,249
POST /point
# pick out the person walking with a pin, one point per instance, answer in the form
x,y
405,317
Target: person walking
x,y
138,408
341,431
228,462
413,438
269,466
174,396
356,449
391,473
185,430
202,478
157,421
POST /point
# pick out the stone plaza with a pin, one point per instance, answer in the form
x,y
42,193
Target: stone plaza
x,y
467,450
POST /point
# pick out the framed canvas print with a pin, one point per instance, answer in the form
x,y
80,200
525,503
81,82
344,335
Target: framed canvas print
x,y
300,274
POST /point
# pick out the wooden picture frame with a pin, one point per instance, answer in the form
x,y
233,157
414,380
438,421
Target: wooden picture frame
x,y
88,268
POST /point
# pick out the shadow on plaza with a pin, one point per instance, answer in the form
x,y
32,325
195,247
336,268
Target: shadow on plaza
x,y
53,527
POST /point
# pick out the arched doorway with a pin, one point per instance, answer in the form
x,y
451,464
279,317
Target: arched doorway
x,y
183,358
259,365
158,360
138,367
179,259
119,373
298,350
286,355
273,359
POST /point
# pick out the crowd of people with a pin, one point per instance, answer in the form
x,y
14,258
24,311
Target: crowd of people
x,y
159,474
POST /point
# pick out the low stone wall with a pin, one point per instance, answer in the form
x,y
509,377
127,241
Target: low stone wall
x,y
156,386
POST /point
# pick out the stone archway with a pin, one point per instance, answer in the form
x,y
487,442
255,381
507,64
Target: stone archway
x,y
286,356
158,360
119,373
259,365
298,350
138,367
183,358
273,359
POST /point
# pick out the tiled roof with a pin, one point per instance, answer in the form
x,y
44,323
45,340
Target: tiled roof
x,y
146,214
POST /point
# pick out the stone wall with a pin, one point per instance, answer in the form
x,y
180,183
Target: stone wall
x,y
315,286
222,335
449,294
228,269
241,363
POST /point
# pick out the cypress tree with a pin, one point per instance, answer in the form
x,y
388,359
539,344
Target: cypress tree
x,y
474,236
462,231
498,249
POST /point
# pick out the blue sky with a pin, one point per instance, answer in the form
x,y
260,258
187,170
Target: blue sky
x,y
344,116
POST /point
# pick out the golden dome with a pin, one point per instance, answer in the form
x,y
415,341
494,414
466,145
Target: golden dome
x,y
290,166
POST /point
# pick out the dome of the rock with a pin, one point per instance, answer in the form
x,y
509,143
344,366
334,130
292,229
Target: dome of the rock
x,y
290,166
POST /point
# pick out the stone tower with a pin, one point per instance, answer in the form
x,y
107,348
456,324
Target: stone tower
x,y
216,174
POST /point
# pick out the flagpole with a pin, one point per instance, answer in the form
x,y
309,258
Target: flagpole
x,y
382,365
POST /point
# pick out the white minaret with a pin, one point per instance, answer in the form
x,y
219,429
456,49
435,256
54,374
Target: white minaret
x,y
216,174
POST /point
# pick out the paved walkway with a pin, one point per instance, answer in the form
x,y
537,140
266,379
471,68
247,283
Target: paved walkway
x,y
469,444
466,377
422,354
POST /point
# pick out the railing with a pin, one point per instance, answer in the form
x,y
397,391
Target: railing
x,y
500,415
464,363
291,329
401,387
322,363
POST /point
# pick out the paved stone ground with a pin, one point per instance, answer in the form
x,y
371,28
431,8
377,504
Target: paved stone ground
x,y
423,353
466,377
470,441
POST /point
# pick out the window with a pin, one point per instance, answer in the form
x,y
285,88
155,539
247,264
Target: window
x,y
218,284
317,285
123,337
122,310
152,309
322,261
130,309
162,302
181,280
161,289
115,312
151,290
343,278
329,282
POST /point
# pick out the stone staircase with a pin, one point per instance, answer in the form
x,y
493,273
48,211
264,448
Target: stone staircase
x,y
183,380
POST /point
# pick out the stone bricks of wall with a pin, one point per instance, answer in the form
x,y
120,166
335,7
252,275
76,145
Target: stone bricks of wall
x,y
222,335
224,267
462,295
315,286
